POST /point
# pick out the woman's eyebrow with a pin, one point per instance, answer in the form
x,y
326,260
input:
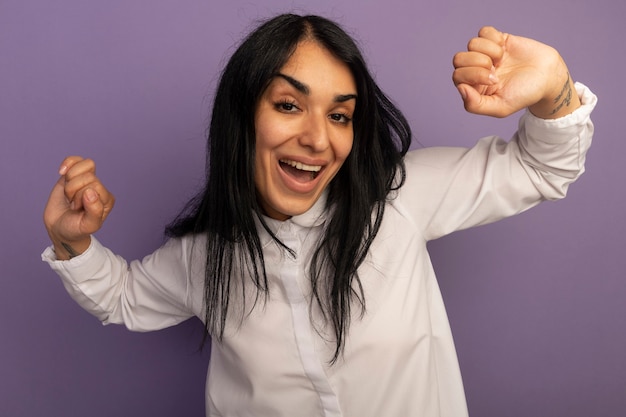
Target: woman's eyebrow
x,y
345,97
300,86
304,89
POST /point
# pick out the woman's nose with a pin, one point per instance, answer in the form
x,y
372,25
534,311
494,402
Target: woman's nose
x,y
315,134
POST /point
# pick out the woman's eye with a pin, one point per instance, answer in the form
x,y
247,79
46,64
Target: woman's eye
x,y
286,106
340,118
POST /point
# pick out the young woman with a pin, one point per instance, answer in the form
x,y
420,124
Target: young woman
x,y
305,253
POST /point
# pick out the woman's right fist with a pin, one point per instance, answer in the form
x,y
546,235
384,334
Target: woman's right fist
x,y
77,207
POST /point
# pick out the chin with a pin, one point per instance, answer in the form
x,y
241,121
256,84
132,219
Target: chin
x,y
284,211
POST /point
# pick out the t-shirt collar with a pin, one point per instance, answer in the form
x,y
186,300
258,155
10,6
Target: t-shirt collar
x,y
313,217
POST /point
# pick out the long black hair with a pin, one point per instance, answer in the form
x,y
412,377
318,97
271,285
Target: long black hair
x,y
226,209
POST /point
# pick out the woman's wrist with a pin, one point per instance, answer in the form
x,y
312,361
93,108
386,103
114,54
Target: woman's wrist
x,y
65,249
560,101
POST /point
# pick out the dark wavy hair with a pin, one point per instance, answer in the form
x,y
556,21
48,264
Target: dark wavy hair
x,y
225,210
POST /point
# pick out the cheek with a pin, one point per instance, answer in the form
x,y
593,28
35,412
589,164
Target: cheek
x,y
263,145
261,165
261,136
343,148
270,134
268,138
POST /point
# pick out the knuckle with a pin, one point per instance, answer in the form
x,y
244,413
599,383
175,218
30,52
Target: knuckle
x,y
455,63
73,159
471,45
89,164
485,30
457,59
456,77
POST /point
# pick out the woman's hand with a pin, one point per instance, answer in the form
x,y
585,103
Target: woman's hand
x,y
77,207
500,74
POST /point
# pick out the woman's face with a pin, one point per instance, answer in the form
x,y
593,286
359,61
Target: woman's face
x,y
304,130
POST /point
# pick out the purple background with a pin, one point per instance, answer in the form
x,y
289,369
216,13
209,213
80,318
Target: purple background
x,y
536,302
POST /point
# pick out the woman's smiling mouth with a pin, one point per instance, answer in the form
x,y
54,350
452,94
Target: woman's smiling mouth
x,y
299,171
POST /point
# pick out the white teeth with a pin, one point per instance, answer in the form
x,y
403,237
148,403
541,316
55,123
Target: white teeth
x,y
301,166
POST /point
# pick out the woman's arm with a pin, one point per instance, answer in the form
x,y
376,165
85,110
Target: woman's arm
x,y
143,295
